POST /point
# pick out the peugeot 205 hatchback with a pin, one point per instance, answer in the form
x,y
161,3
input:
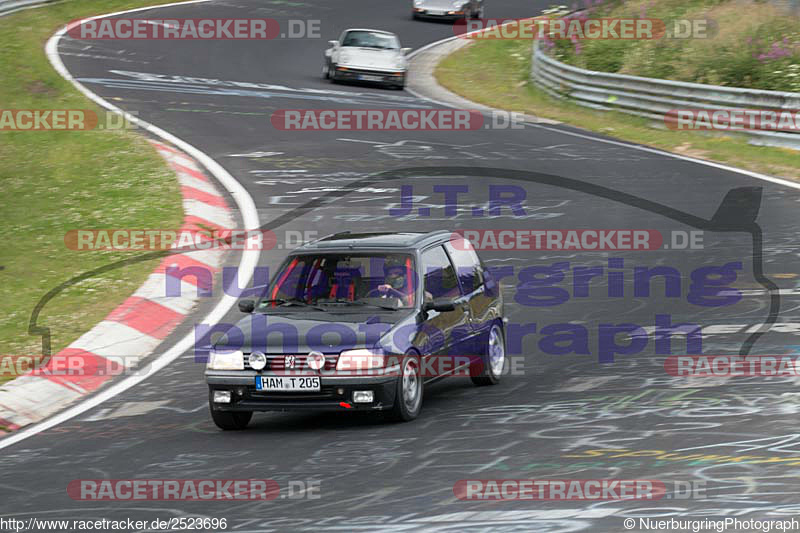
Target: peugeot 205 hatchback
x,y
360,322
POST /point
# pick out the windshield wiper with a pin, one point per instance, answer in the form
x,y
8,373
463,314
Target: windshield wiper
x,y
356,302
289,301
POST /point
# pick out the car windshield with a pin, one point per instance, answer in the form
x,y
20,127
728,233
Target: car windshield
x,y
386,281
368,39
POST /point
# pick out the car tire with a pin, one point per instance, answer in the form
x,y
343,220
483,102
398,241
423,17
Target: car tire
x,y
487,369
331,73
228,420
409,392
326,71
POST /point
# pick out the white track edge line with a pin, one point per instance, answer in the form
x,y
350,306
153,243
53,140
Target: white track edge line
x,y
246,266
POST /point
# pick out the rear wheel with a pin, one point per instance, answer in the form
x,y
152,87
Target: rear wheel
x,y
488,369
408,398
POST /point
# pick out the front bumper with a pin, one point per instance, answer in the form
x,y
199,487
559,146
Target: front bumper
x,y
439,15
334,391
370,76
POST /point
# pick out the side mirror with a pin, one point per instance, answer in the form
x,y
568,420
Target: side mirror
x,y
440,305
406,50
333,43
246,306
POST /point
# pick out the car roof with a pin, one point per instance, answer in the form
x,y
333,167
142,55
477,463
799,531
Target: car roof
x,y
351,241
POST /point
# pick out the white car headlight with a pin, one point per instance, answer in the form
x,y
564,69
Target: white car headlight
x,y
456,4
356,360
226,360
344,57
257,360
417,3
315,361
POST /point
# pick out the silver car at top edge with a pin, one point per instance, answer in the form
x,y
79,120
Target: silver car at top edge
x,y
447,9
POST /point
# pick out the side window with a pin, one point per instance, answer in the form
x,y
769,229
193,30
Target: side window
x,y
468,266
440,278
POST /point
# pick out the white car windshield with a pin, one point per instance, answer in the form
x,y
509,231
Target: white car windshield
x,y
368,39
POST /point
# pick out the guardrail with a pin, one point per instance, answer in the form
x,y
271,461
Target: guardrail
x,y
11,6
654,98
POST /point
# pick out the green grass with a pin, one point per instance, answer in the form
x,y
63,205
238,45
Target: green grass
x,y
495,73
750,43
54,181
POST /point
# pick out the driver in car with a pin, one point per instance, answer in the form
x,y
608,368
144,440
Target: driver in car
x,y
395,283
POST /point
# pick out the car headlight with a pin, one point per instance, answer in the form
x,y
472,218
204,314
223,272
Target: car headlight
x,y
257,360
315,361
219,360
344,57
417,3
457,4
362,359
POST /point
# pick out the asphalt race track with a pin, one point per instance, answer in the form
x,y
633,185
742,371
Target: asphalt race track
x,y
560,417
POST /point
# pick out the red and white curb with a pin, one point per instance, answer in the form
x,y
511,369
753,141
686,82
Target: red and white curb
x,y
133,330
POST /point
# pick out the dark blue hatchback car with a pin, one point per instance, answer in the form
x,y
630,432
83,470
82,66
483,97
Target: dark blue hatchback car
x,y
360,321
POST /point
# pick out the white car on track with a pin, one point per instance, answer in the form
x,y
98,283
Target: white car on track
x,y
367,56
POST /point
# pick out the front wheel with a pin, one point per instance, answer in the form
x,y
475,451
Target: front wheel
x,y
487,370
408,398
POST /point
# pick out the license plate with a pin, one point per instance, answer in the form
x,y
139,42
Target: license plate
x,y
435,12
288,383
369,77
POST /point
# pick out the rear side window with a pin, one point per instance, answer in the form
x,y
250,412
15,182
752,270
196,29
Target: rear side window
x,y
440,278
468,266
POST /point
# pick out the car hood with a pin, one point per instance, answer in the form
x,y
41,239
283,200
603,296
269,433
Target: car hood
x,y
371,58
445,5
296,333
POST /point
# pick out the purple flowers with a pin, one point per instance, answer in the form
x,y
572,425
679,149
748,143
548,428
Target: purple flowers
x,y
777,50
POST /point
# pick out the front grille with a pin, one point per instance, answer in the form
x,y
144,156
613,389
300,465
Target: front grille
x,y
324,393
357,71
277,362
